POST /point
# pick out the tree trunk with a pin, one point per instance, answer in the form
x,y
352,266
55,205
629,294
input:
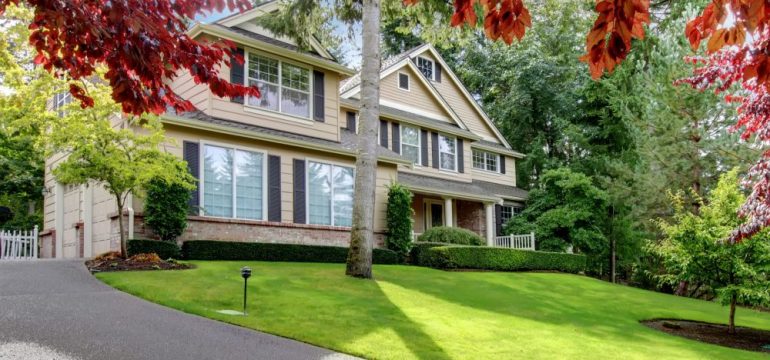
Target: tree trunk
x,y
613,262
123,250
359,262
731,326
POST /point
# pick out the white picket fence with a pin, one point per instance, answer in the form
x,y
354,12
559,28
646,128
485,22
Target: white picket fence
x,y
522,242
18,245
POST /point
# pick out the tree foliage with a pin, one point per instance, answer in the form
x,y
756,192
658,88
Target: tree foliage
x,y
398,216
697,250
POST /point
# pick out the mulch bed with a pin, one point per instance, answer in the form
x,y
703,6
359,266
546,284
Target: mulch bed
x,y
113,262
744,338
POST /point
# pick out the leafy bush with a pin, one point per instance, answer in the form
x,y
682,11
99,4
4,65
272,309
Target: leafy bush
x,y
228,250
418,254
399,219
489,258
164,249
166,208
451,235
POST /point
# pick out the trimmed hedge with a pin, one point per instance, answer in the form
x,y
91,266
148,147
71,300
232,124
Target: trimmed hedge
x,y
451,235
418,254
489,258
164,249
228,250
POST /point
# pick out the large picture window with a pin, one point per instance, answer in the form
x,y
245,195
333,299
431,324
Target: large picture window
x,y
410,143
330,194
483,160
447,147
233,183
284,87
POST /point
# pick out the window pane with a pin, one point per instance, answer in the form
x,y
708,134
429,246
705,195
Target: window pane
x,y
218,181
446,144
426,67
411,152
343,196
319,193
491,162
295,77
478,160
295,103
248,188
410,135
447,161
268,98
262,68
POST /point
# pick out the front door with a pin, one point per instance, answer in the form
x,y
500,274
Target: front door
x,y
434,214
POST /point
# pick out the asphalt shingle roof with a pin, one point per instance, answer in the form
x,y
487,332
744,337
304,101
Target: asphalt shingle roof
x,y
478,188
354,80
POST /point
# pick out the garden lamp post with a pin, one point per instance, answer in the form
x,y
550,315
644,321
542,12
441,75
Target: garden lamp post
x,y
245,273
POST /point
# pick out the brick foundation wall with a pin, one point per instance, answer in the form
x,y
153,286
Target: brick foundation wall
x,y
471,216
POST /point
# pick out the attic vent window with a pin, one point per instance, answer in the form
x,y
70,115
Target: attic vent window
x,y
403,81
426,67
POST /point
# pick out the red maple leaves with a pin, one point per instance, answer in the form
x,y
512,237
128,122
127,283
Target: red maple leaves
x,y
142,43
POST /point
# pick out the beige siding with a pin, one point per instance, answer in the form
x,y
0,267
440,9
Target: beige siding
x,y
417,99
444,174
186,88
462,106
329,129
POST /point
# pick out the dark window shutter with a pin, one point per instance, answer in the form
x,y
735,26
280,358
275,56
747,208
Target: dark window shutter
x,y
299,191
318,96
424,146
396,138
351,124
438,72
236,74
502,164
274,188
434,144
499,220
384,133
191,154
460,156
403,81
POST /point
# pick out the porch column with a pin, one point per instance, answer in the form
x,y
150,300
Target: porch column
x,y
448,212
490,210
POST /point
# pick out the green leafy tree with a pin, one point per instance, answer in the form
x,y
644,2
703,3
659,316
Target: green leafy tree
x,y
697,250
166,207
399,216
566,210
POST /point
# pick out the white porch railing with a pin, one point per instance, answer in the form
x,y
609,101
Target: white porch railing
x,y
415,235
18,244
522,242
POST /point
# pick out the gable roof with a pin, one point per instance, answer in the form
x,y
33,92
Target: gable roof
x,y
407,55
353,85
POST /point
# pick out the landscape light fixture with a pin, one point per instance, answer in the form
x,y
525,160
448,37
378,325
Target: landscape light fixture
x,y
246,274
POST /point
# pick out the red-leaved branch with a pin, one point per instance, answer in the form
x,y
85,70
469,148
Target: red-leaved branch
x,y
143,45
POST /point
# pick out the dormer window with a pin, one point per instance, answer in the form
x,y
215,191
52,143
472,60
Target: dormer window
x,y
426,67
403,81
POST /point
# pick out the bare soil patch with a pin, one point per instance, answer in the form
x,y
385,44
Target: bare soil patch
x,y
113,262
744,338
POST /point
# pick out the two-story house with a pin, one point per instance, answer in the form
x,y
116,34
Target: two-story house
x,y
280,168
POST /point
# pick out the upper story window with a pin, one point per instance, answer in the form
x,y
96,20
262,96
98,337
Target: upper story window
x,y
61,100
410,143
284,87
447,148
233,183
483,160
426,67
330,194
403,81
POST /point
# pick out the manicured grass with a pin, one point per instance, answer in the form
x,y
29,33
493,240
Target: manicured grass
x,y
413,312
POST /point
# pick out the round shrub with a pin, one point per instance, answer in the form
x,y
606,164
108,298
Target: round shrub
x,y
451,235
399,219
166,207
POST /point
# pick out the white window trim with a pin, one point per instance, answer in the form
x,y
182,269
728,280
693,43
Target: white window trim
x,y
433,67
440,167
259,109
202,180
427,216
418,145
331,173
486,153
408,81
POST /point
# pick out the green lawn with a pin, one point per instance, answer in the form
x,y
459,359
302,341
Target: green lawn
x,y
413,312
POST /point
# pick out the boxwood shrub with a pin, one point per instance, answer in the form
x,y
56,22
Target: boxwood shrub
x,y
228,250
164,249
451,235
418,254
489,258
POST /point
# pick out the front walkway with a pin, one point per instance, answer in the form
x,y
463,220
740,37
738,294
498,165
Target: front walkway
x,y
56,307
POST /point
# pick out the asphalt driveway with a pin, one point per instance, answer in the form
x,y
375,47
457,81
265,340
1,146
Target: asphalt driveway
x,y
52,309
